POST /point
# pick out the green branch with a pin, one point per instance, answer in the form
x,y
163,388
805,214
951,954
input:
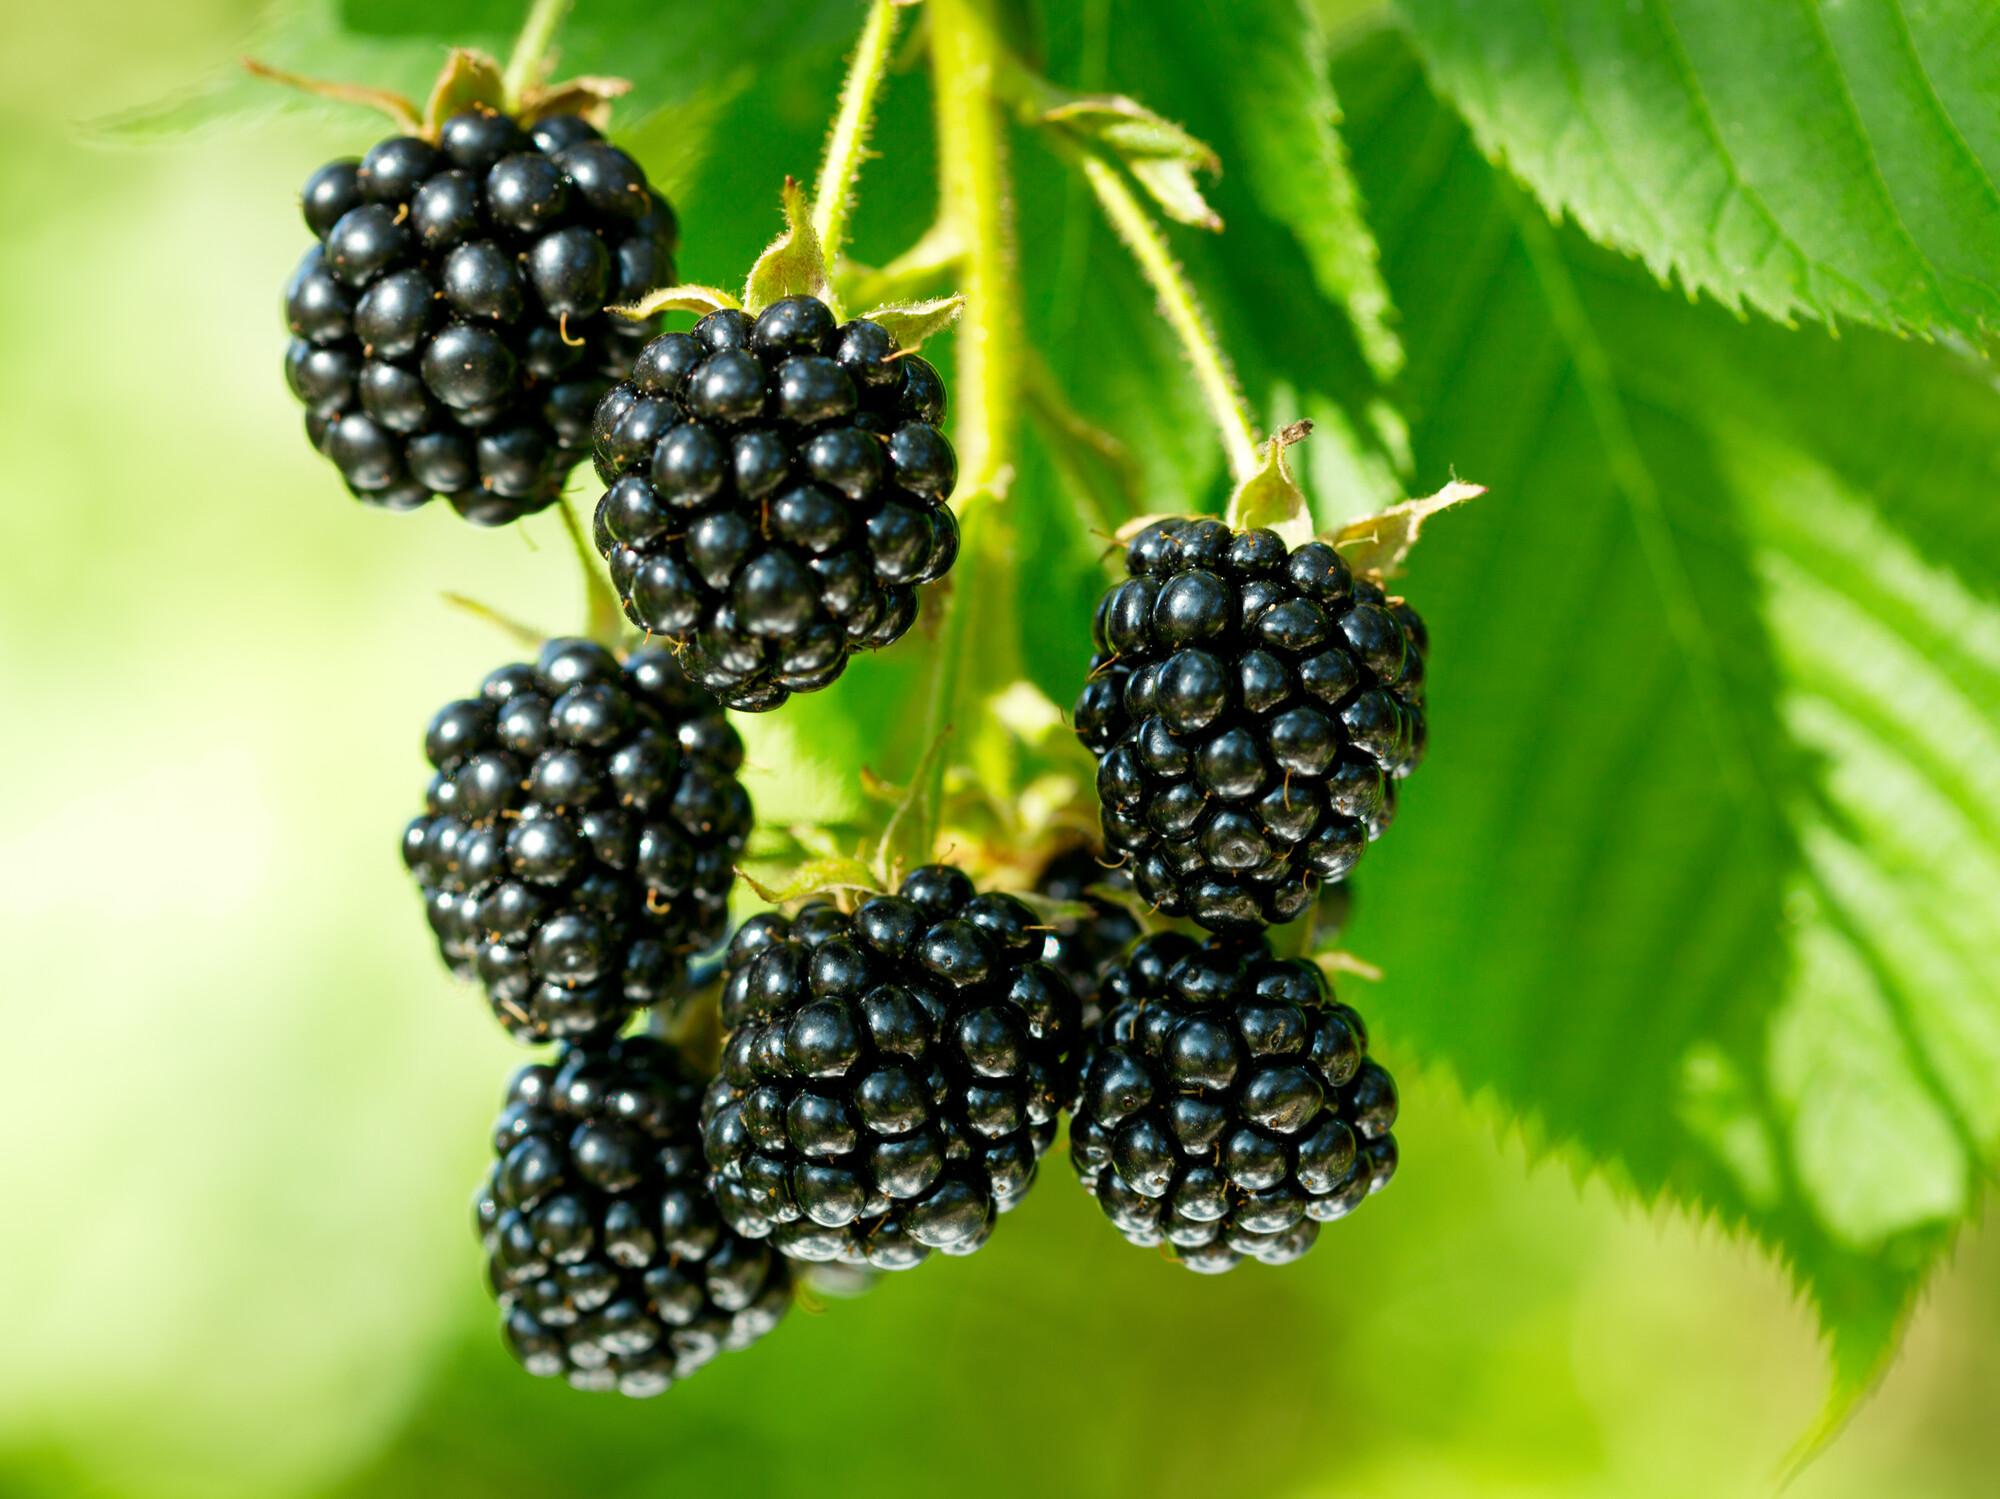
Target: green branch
x,y
976,201
847,144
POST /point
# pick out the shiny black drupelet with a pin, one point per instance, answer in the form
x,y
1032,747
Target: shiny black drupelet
x,y
1228,1107
776,496
613,1268
449,328
580,836
1251,709
890,1078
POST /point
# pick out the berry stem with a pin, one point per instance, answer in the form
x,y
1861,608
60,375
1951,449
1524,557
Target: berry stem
x,y
606,621
531,48
847,144
976,201
1181,307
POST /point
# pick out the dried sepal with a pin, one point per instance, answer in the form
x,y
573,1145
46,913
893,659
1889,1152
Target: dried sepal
x,y
469,79
386,101
1378,545
589,98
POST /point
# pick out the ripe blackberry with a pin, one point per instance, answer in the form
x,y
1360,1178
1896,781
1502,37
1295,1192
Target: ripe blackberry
x,y
1228,1106
449,332
1080,949
776,495
889,1078
1251,709
579,837
612,1266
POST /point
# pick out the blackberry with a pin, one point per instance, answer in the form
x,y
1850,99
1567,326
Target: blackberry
x,y
579,837
449,331
1080,949
776,495
1228,1106
889,1078
1251,709
611,1264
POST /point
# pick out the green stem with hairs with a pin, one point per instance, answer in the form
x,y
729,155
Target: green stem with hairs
x,y
1181,308
531,47
847,144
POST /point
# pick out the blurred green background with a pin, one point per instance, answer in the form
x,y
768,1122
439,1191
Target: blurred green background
x,y
247,1107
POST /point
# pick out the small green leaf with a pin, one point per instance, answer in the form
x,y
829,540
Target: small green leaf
x,y
793,264
1131,130
815,877
1161,155
700,300
387,101
469,80
1378,545
1171,185
1271,499
911,323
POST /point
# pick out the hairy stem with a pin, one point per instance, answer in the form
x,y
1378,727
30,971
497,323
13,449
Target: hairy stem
x,y
847,145
1180,306
976,200
531,47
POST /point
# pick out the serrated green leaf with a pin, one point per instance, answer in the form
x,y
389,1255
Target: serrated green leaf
x,y
911,323
1712,708
1812,160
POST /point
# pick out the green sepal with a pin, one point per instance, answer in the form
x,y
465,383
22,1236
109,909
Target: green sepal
x,y
911,323
700,300
815,877
793,264
1271,499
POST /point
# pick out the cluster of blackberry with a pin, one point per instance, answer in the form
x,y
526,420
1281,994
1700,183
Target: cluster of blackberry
x,y
777,491
1228,1106
1252,708
890,1078
892,1069
449,331
579,837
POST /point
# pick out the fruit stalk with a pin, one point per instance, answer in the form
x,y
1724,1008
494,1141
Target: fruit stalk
x,y
847,144
531,47
976,199
1180,306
